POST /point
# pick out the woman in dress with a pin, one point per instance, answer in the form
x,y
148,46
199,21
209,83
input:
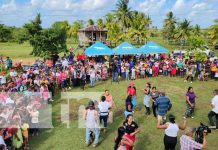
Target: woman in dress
x,y
147,98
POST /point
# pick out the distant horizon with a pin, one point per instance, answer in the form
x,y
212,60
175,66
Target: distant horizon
x,y
18,12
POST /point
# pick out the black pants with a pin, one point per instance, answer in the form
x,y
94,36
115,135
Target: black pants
x,y
210,117
82,84
104,118
170,142
190,77
154,109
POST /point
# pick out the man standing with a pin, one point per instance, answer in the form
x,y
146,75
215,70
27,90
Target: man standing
x,y
214,111
163,104
187,143
104,111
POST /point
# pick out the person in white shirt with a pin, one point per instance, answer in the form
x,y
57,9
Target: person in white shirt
x,y
92,125
104,110
35,121
2,79
214,111
92,76
13,73
171,132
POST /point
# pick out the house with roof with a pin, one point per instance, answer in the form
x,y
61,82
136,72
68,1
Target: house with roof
x,y
91,34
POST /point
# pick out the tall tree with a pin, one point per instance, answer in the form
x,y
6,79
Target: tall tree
x,y
169,26
91,22
123,13
197,30
213,33
139,26
34,27
183,31
100,23
74,29
5,33
49,41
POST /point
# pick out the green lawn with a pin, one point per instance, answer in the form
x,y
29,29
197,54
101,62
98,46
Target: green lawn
x,y
150,138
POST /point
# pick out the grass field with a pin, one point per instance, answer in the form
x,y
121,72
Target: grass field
x,y
150,138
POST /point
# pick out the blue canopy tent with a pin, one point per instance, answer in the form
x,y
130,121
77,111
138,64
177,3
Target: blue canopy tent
x,y
98,49
126,49
153,48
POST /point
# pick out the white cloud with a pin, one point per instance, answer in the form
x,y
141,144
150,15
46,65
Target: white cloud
x,y
95,4
59,4
151,6
179,5
8,7
199,6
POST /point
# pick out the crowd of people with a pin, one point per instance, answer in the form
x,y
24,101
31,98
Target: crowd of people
x,y
34,86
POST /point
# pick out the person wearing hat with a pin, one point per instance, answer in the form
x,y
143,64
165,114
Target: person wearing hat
x,y
92,124
188,143
171,132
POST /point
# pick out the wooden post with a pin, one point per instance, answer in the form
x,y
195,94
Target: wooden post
x,y
100,37
92,36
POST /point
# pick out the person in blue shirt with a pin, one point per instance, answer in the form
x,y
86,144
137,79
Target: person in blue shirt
x,y
163,105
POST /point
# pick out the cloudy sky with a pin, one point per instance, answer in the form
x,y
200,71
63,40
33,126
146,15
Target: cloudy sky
x,y
18,12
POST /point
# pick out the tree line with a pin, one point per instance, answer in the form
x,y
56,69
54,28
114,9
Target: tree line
x,y
123,24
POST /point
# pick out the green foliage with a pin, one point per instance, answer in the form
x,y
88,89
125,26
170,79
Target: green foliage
x,y
34,27
91,22
200,56
5,33
123,14
183,32
196,42
49,41
100,23
213,33
72,32
169,27
20,35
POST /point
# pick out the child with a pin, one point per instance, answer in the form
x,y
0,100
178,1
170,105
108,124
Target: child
x,y
25,128
127,73
133,73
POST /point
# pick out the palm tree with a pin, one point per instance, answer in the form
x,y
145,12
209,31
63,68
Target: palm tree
x,y
72,32
183,31
212,33
91,22
197,30
169,26
123,13
100,23
139,26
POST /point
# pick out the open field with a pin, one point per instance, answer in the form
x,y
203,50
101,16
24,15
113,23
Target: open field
x,y
150,138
